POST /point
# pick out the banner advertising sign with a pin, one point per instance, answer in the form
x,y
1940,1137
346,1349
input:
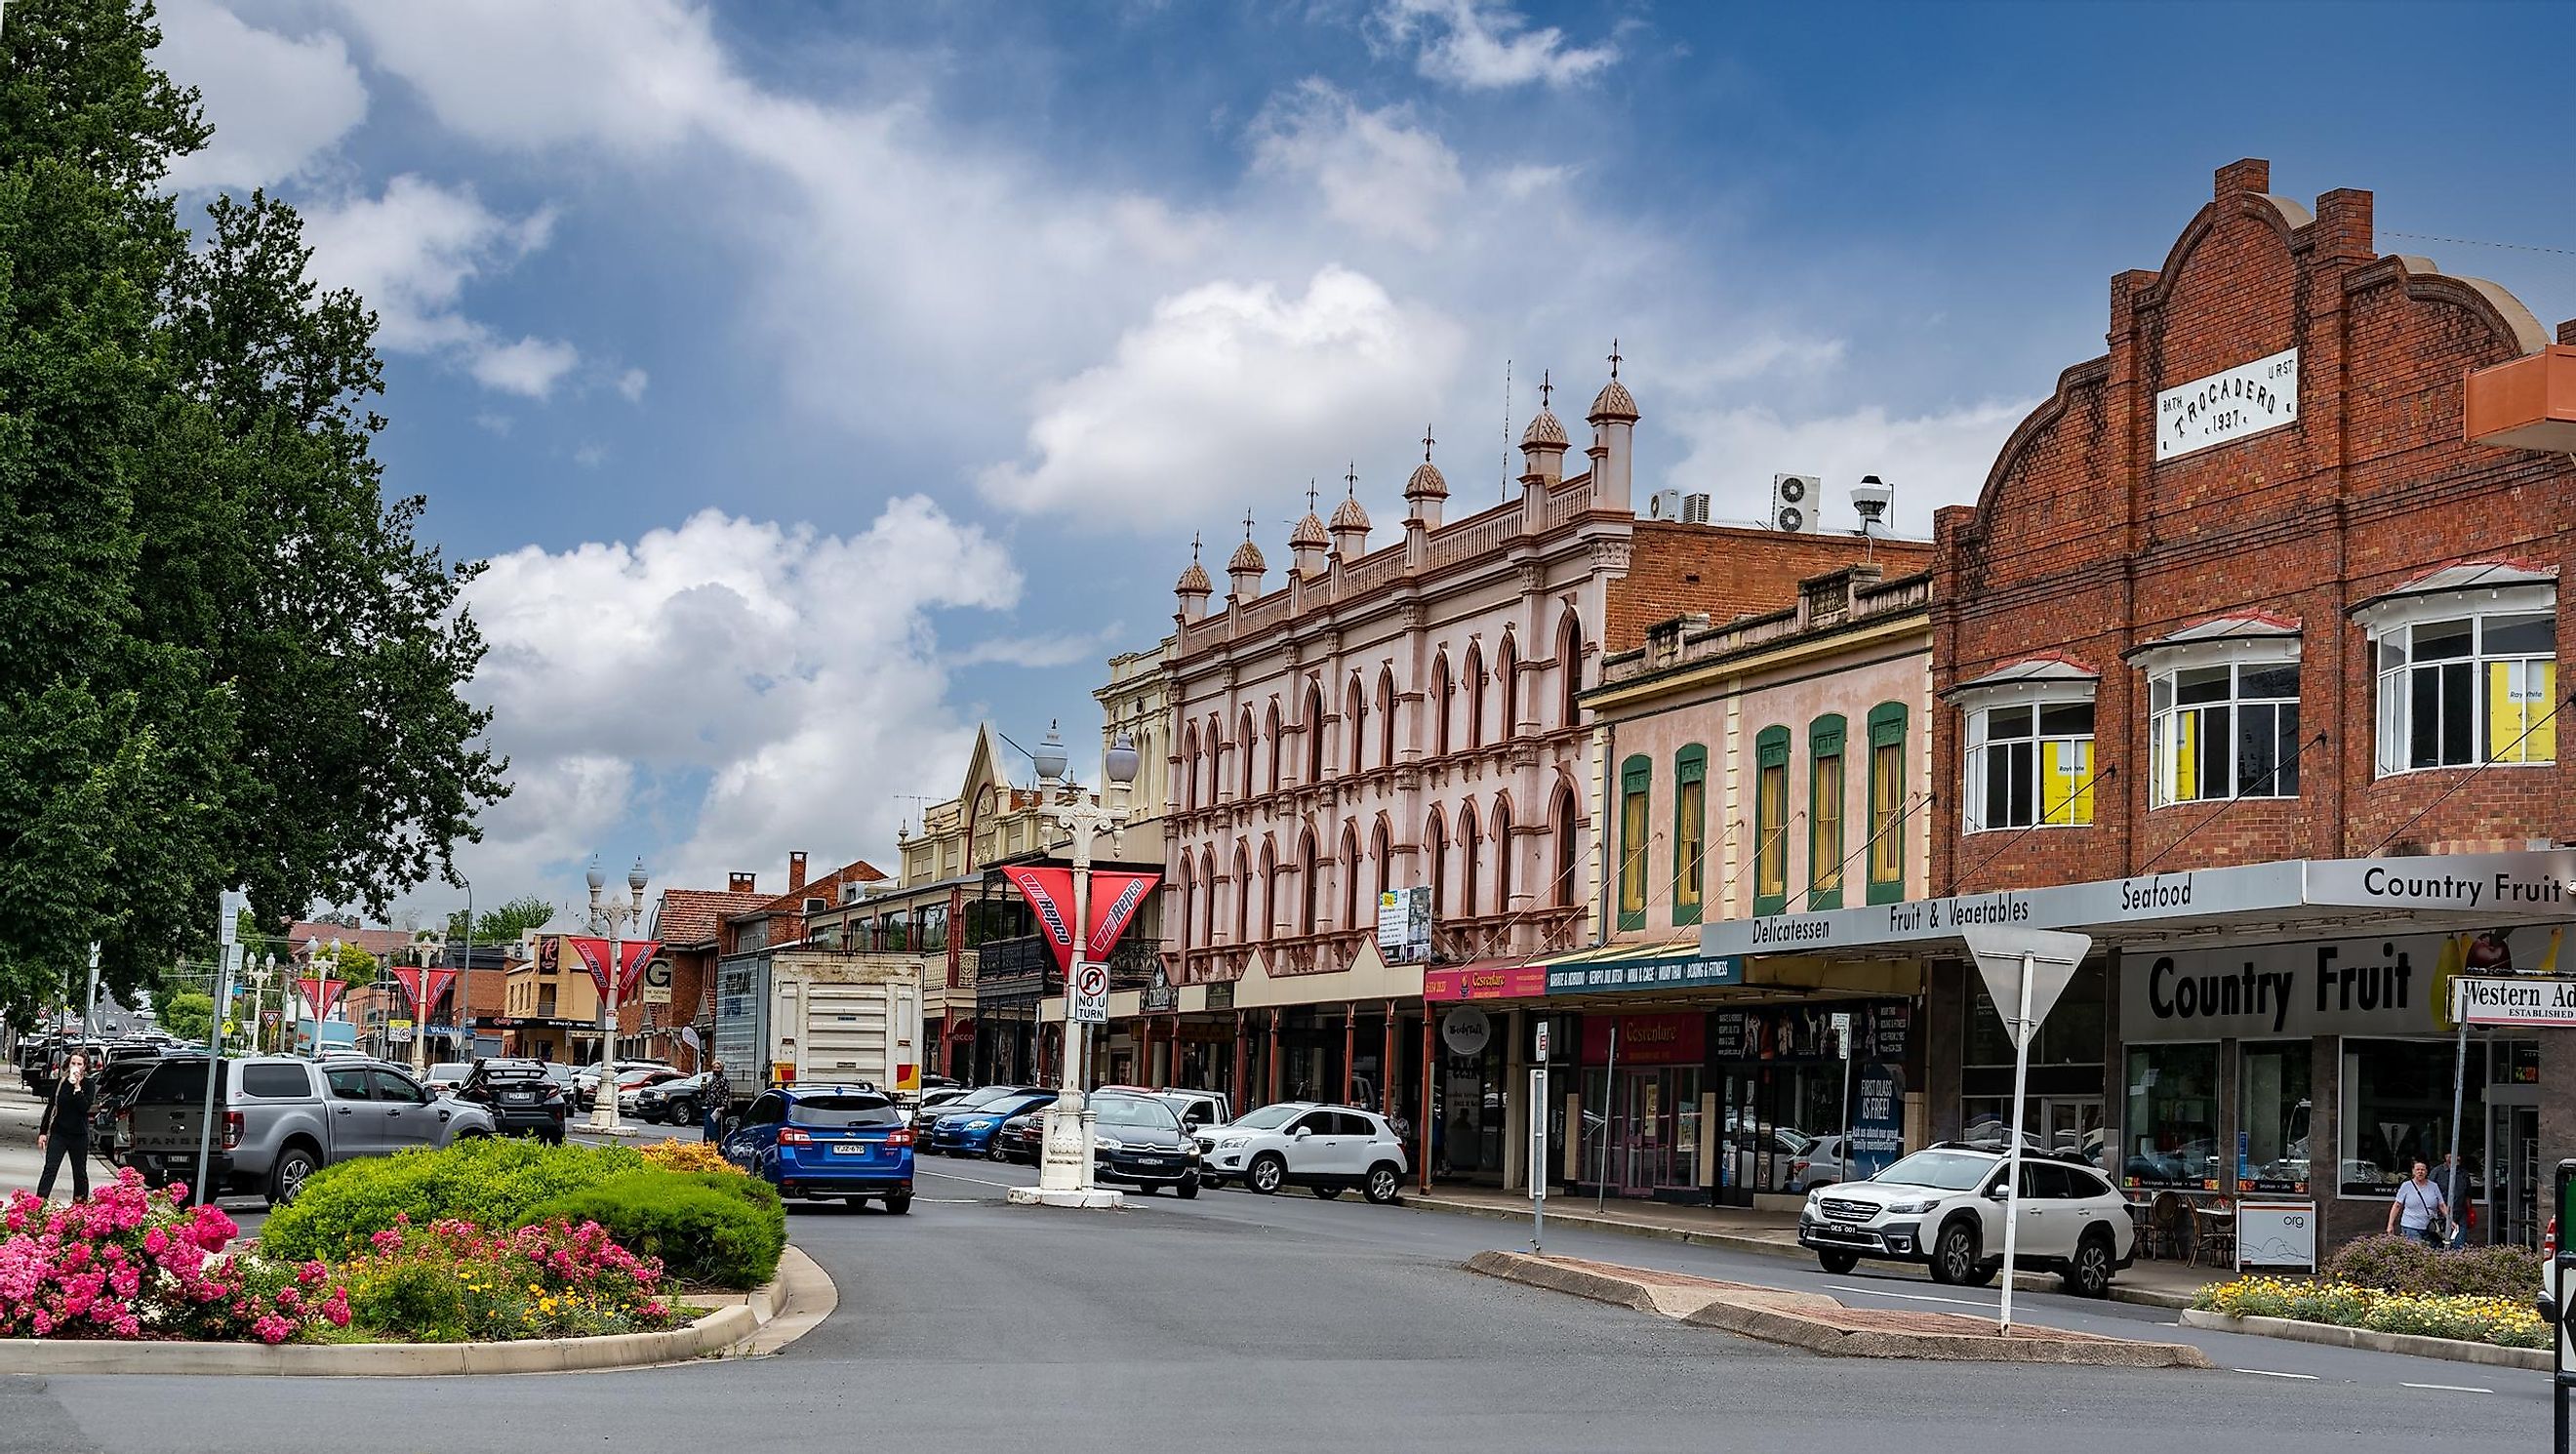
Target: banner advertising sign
x,y
2397,984
422,987
633,955
1518,982
1404,925
1644,974
2529,1002
1050,895
1878,1120
1115,898
321,994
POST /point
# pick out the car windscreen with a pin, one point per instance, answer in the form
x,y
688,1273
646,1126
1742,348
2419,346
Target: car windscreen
x,y
984,1097
1133,1111
843,1111
1269,1118
1942,1170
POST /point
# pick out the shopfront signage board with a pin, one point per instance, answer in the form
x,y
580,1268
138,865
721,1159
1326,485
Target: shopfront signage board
x,y
2228,405
657,981
1404,925
1878,1120
1667,974
2276,1234
1465,1030
2528,1003
2380,984
1513,982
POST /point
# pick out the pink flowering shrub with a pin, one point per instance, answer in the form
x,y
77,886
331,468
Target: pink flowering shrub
x,y
132,1263
453,1281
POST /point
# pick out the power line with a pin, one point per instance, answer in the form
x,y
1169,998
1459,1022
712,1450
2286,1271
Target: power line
x,y
2474,242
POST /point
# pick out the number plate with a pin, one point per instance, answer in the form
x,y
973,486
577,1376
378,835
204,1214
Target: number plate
x,y
518,1095
848,1149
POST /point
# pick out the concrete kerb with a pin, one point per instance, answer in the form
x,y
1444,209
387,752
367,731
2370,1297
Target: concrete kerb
x,y
800,1297
1800,1320
1742,1242
2337,1336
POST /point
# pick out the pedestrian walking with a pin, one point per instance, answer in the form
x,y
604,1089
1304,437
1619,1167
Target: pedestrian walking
x,y
2419,1208
2453,1180
719,1102
64,1131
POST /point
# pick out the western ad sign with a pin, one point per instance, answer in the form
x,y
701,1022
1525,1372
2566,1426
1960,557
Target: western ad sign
x,y
2381,985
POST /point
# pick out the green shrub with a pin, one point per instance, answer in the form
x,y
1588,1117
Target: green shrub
x,y
2501,1272
2391,1264
2402,1264
490,1181
714,1228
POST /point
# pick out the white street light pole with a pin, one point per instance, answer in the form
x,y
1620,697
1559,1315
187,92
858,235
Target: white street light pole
x,y
1065,1170
615,916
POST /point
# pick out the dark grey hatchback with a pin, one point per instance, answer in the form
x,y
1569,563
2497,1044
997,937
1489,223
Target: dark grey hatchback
x,y
1138,1140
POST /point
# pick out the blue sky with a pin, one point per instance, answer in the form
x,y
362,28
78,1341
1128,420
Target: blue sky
x,y
822,378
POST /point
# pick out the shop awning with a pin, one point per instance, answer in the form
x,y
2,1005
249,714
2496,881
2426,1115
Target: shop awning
x,y
2249,903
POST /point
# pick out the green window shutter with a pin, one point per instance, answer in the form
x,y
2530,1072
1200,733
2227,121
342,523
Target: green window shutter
x,y
1690,834
1827,793
1888,776
1636,781
1770,821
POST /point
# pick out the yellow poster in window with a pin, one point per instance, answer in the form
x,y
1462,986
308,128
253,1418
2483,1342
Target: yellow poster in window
x,y
2185,785
2520,699
2066,786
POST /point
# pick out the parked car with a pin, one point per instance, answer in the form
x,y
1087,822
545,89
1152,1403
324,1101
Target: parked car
x,y
1022,1138
1821,1164
631,1086
975,1100
282,1118
585,1082
969,1131
1198,1108
1326,1149
445,1076
679,1101
521,1097
110,1090
1137,1140
824,1142
1944,1206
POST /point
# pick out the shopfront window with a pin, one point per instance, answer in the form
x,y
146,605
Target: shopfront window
x,y
2397,1111
2030,764
2073,1033
2273,1116
1825,813
1771,821
2473,688
1887,802
2170,1135
2226,731
1690,833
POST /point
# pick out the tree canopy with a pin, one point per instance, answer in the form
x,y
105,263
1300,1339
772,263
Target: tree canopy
x,y
232,662
506,923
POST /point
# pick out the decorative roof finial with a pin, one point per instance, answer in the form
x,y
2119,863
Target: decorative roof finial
x,y
1247,525
1614,358
1544,390
1427,442
1351,481
1194,547
1310,494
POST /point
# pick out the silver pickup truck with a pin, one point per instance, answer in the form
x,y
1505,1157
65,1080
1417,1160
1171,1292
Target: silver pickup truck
x,y
279,1119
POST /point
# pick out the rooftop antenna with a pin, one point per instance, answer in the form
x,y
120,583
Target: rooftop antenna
x,y
1310,494
1507,427
1614,358
1351,479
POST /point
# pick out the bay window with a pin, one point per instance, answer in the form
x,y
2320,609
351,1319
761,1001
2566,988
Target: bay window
x,y
2224,730
2469,689
2030,764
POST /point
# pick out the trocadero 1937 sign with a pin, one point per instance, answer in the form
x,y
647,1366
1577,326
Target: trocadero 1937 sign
x,y
2246,399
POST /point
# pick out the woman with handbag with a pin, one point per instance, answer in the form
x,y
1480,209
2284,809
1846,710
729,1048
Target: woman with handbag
x,y
2420,1208
64,1131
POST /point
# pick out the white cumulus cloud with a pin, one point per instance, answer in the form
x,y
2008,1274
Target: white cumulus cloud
x,y
1483,47
747,683
276,102
1223,376
1377,171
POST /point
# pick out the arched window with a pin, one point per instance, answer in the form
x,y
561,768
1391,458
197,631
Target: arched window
x,y
1207,897
1181,907
1243,740
1507,675
1190,769
1386,717
1314,733
1471,851
1440,704
1273,722
1502,856
1355,711
1242,896
1569,655
1435,864
1379,851
1561,892
1475,684
1350,869
1309,869
1215,760
1269,892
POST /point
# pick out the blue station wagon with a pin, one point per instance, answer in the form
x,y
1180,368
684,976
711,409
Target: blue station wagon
x,y
822,1142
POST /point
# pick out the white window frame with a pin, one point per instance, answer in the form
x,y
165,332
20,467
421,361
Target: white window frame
x,y
2164,668
2394,624
2036,697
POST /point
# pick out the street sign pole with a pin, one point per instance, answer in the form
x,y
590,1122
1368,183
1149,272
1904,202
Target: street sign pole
x,y
1538,1144
228,933
2025,971
2563,1292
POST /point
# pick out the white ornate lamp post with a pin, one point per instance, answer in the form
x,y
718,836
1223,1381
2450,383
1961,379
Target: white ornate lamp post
x,y
1065,1166
615,917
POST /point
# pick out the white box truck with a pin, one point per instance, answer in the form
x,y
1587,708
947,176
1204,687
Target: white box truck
x,y
819,1017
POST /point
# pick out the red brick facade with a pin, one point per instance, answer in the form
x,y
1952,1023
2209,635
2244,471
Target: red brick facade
x,y
1727,571
2082,545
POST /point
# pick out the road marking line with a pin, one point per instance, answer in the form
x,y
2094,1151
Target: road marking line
x,y
1913,1297
2268,1373
2449,1387
953,1176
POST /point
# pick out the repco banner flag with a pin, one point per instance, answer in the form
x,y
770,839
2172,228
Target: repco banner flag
x,y
1115,898
321,994
593,952
423,987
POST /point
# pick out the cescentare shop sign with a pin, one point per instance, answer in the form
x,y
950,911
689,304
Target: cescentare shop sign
x,y
2538,886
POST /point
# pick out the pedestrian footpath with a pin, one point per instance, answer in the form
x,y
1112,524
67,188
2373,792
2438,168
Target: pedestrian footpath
x,y
2163,1284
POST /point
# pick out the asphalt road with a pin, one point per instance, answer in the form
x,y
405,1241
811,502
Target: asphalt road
x,y
1254,1323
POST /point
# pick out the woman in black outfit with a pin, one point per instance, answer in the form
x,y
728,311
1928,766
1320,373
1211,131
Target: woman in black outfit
x,y
64,1132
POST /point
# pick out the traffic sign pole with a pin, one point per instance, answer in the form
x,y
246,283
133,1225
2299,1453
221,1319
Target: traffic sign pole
x,y
2025,971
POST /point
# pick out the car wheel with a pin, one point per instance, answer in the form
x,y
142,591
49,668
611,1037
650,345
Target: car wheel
x,y
899,1203
1838,1263
1325,1191
1266,1173
1188,1189
1985,1273
552,1138
1954,1256
1383,1184
471,1133
2089,1275
286,1177
996,1154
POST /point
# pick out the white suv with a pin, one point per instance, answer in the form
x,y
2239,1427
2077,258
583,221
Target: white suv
x,y
1326,1149
1945,1207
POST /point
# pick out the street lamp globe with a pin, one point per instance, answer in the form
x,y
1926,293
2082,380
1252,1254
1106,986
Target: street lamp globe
x,y
635,879
1120,761
596,879
1050,755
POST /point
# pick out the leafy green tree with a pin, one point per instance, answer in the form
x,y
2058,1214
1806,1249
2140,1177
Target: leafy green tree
x,y
506,923
231,662
188,1015
350,963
